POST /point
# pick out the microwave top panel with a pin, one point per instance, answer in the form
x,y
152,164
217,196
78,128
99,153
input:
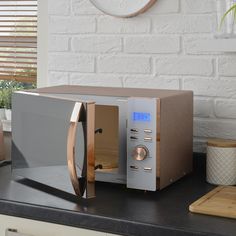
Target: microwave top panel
x,y
111,92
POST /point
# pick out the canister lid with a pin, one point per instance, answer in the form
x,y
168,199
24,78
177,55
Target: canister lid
x,y
227,143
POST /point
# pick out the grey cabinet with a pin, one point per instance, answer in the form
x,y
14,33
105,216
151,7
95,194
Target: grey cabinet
x,y
25,227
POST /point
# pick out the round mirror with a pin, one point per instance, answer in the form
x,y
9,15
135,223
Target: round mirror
x,y
123,8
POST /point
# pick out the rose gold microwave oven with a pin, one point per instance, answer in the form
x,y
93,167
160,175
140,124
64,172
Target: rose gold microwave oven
x,y
68,137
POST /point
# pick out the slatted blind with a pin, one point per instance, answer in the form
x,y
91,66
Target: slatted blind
x,y
18,40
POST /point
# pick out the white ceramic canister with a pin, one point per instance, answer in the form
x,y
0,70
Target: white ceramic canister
x,y
221,162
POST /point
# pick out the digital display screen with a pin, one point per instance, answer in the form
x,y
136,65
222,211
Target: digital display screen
x,y
140,116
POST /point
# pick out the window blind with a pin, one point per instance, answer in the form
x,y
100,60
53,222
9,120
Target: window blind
x,y
18,40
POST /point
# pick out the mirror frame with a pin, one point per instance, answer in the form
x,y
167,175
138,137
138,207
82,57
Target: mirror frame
x,y
132,14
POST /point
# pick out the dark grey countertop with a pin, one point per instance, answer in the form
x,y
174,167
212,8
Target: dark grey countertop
x,y
116,209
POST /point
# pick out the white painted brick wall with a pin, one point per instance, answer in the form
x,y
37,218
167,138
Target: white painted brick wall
x,y
162,48
59,78
83,7
99,44
58,43
71,62
98,79
72,25
225,108
152,44
112,25
227,66
215,128
184,66
165,7
62,8
160,82
182,24
124,64
199,7
203,107
211,87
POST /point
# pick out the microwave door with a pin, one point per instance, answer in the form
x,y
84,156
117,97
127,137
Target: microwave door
x,y
53,142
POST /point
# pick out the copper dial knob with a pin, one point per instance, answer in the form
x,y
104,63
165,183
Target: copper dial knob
x,y
140,153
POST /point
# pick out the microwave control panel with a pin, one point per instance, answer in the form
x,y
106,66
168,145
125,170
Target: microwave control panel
x,y
141,143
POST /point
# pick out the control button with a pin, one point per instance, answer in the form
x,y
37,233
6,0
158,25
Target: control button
x,y
134,130
148,131
147,168
133,137
140,153
134,167
148,139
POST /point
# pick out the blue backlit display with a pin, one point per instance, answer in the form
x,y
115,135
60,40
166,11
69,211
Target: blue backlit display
x,y
140,116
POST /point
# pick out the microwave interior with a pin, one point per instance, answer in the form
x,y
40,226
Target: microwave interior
x,y
107,141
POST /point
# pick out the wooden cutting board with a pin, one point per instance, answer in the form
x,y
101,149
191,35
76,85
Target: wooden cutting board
x,y
219,202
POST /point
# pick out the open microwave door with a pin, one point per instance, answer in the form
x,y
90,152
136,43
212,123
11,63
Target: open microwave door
x,y
53,142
